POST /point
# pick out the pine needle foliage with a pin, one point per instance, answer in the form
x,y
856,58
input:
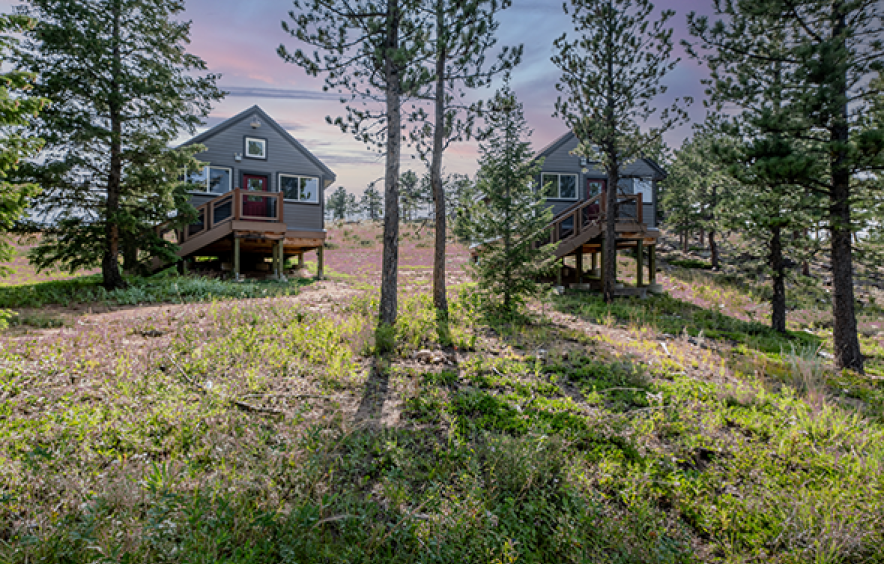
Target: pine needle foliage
x,y
508,221
16,106
121,87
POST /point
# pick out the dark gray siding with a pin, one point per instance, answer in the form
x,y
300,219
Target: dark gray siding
x,y
560,160
282,157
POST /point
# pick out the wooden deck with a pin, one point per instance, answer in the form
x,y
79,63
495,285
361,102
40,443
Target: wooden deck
x,y
243,223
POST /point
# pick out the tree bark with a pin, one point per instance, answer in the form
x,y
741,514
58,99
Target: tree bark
x,y
778,300
110,264
713,249
609,275
844,333
440,299
390,268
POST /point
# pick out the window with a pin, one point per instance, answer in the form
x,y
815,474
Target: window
x,y
560,186
213,179
256,148
299,188
645,187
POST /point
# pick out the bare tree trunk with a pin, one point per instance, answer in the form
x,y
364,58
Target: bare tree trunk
x,y
440,299
110,265
778,300
713,249
390,268
609,275
844,332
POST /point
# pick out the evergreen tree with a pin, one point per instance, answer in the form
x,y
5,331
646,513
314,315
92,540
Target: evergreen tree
x,y
825,53
16,106
372,50
337,204
510,216
121,86
463,32
372,203
610,76
412,194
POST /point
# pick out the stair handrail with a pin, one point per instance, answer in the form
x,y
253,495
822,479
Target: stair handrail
x,y
580,226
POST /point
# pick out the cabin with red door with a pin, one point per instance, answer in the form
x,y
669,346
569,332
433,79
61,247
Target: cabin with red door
x,y
574,188
259,197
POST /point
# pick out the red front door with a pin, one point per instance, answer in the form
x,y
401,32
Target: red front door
x,y
254,206
594,187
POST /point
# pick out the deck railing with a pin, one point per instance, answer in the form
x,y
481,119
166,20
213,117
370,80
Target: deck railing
x,y
245,205
584,215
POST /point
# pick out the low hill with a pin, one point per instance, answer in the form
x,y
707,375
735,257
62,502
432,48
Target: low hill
x,y
266,429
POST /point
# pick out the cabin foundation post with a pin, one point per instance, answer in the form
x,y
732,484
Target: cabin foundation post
x,y
236,258
595,263
559,272
652,264
578,263
320,262
277,259
639,263
301,260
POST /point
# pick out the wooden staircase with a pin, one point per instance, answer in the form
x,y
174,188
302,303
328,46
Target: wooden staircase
x,y
584,222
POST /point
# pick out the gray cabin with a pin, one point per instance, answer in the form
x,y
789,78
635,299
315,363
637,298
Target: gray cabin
x,y
574,191
574,179
261,197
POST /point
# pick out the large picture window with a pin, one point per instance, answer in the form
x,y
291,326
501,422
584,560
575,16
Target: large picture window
x,y
299,188
213,179
560,186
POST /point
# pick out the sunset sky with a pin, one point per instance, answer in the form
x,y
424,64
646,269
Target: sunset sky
x,y
238,39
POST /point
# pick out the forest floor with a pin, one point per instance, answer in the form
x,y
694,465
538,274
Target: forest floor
x,y
205,421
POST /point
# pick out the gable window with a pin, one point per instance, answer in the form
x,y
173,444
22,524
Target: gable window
x,y
560,186
214,179
256,148
299,188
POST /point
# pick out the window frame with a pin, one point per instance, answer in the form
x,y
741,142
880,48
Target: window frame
x,y
558,194
206,189
299,176
245,149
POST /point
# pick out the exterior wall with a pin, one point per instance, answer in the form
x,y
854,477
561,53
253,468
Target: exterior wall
x,y
561,160
282,157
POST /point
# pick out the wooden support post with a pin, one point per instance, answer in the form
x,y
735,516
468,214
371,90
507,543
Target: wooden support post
x,y
639,262
301,260
652,266
595,262
602,263
277,263
559,273
236,258
320,259
578,263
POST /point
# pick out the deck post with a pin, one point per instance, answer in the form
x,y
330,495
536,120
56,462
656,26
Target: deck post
x,y
652,264
602,263
578,263
559,272
639,263
301,260
236,258
275,259
320,262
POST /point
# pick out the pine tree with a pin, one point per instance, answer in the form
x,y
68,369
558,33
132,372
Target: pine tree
x,y
510,216
336,204
16,106
121,86
372,50
610,76
825,54
463,32
411,195
371,203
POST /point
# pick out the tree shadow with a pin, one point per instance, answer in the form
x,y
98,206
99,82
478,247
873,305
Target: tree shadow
x,y
372,404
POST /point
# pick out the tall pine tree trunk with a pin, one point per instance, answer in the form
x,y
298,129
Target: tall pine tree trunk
x,y
713,249
609,274
844,333
390,268
110,264
778,300
440,300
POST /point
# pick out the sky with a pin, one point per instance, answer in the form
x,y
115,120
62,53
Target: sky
x,y
238,39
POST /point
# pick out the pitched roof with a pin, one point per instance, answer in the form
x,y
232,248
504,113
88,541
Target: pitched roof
x,y
272,123
567,137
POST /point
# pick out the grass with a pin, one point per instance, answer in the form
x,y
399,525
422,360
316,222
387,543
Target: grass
x,y
162,289
282,430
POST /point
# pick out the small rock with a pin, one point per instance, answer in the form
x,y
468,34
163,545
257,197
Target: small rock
x,y
152,333
827,355
424,355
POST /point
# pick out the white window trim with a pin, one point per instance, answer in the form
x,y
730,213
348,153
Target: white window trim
x,y
206,189
559,175
318,188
